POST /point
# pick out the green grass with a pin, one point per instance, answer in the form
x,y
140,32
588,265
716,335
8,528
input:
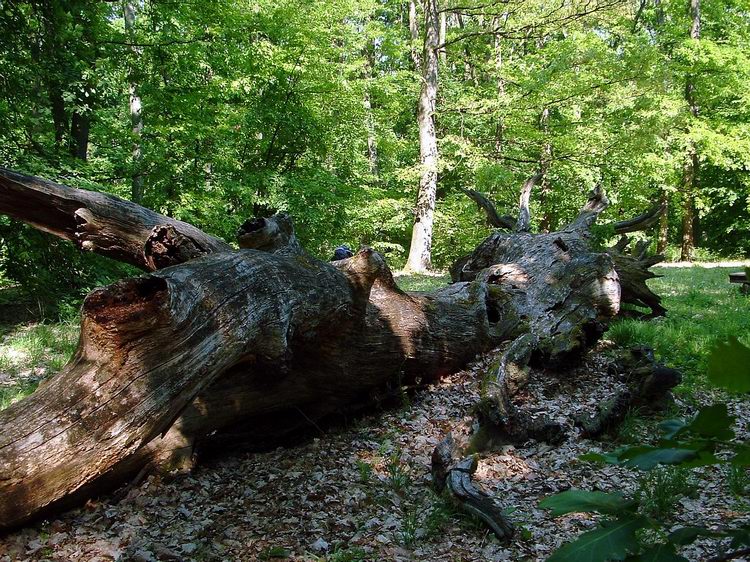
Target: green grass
x,y
702,308
29,353
414,282
660,490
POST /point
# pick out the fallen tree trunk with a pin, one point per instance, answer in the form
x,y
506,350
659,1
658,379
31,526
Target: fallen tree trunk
x,y
243,345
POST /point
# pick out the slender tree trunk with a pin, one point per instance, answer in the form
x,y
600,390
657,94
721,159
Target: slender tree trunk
x,y
545,161
372,145
441,38
500,125
416,58
80,126
419,259
136,115
692,163
663,237
469,74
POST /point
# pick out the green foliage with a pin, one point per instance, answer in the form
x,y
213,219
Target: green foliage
x,y
51,273
614,539
254,107
728,366
684,444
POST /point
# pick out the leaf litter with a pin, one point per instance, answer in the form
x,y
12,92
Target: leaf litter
x,y
362,491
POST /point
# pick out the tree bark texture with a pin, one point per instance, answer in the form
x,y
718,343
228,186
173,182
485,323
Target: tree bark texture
x,y
420,249
103,223
632,270
217,347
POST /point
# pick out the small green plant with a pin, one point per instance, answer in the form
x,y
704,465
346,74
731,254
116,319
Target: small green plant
x,y
630,429
661,489
738,480
409,525
437,518
348,554
275,552
683,444
365,470
399,476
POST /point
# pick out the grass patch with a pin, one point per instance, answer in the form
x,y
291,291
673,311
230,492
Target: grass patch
x,y
30,353
702,308
416,282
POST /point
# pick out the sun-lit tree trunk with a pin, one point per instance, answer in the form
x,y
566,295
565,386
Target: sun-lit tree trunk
x,y
416,58
692,163
500,125
135,106
419,259
441,38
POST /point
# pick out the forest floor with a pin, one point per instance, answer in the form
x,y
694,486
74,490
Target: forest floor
x,y
360,489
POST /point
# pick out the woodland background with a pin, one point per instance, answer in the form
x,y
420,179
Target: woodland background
x,y
212,112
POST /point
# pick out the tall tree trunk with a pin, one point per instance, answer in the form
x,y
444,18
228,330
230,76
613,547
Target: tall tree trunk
x,y
420,250
692,163
500,125
135,106
372,145
416,58
441,38
80,126
545,161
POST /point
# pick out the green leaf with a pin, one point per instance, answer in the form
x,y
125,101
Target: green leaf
x,y
729,366
687,535
608,458
658,553
572,501
670,428
649,457
740,537
612,540
713,421
742,456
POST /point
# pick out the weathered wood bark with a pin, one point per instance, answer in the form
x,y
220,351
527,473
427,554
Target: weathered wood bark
x,y
632,270
454,477
236,346
101,223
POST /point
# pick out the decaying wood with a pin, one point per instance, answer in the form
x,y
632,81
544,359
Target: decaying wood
x,y
454,478
225,347
493,218
632,270
101,223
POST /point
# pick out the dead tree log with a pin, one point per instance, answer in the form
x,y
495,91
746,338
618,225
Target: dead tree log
x,y
238,345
